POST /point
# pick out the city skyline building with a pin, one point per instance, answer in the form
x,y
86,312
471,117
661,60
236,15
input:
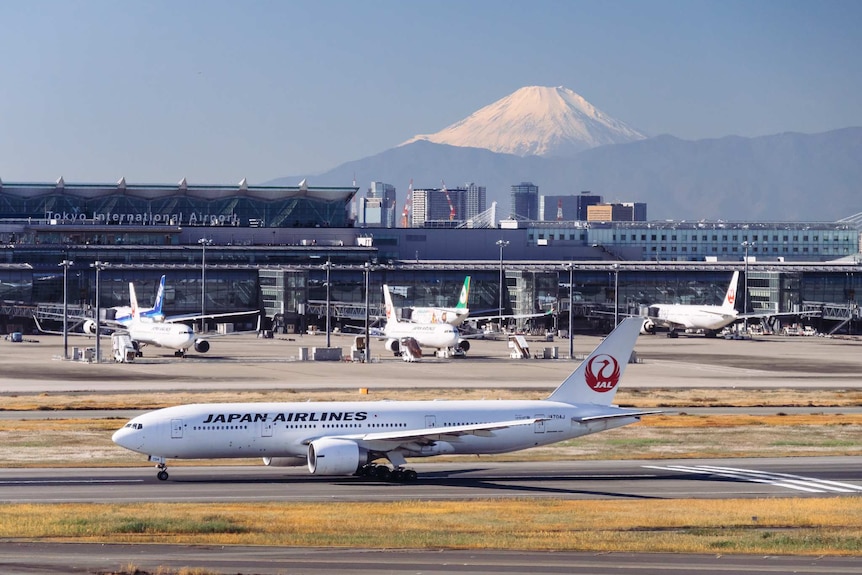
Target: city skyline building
x,y
378,208
446,207
569,207
524,201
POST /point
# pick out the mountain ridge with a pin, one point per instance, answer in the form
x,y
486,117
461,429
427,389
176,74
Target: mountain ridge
x,y
782,177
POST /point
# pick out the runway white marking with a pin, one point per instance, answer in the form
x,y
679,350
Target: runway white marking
x,y
785,480
68,481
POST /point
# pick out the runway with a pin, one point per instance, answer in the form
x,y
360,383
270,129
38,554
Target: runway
x,y
634,479
30,558
239,363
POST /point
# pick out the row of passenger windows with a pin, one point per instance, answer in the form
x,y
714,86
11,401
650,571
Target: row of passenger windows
x,y
305,426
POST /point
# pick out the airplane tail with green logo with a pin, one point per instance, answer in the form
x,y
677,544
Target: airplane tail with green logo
x,y
465,293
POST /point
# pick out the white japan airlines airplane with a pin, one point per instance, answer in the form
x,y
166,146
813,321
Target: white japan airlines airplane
x,y
709,318
345,438
440,336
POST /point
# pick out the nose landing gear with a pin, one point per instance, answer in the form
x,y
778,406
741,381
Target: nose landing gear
x,y
162,466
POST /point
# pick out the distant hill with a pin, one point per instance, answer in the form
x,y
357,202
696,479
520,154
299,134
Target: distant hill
x,y
790,176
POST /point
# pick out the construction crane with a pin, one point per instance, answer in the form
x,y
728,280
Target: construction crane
x,y
449,200
408,205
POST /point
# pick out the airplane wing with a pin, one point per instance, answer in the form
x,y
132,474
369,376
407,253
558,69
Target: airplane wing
x,y
388,440
75,322
757,315
193,316
511,316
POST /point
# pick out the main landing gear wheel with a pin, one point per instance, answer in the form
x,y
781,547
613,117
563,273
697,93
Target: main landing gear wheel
x,y
384,473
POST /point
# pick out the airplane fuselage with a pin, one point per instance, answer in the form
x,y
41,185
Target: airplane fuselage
x,y
170,335
438,336
710,318
270,430
452,316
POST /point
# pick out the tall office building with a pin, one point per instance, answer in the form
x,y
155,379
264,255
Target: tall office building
x,y
558,208
378,208
439,207
585,200
575,207
525,201
429,205
474,201
618,212
638,210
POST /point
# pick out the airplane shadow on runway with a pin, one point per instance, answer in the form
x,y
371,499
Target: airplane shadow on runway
x,y
527,485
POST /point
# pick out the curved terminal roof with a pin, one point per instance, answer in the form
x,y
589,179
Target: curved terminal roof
x,y
181,189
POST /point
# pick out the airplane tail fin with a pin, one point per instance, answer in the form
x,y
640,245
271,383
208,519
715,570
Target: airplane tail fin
x,y
133,301
390,309
729,303
160,297
596,378
465,293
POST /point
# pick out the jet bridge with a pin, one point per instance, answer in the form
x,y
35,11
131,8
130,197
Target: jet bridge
x,y
344,310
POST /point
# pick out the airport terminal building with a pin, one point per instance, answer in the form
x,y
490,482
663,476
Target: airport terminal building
x,y
267,247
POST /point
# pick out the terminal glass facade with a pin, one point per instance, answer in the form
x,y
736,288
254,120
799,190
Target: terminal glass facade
x,y
181,205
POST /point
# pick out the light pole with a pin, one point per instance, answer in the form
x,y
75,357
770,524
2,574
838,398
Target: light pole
x,y
65,264
204,242
502,244
98,266
616,294
745,246
571,268
327,266
367,324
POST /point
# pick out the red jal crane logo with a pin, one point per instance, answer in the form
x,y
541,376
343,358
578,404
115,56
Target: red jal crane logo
x,y
603,373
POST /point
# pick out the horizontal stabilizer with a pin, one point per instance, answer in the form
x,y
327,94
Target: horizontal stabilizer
x,y
616,415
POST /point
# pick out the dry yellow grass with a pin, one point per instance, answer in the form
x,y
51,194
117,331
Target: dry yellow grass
x,y
663,398
785,526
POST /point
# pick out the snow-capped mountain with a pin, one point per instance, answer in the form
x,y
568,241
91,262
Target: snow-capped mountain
x,y
536,121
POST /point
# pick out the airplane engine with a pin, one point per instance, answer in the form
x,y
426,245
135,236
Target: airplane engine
x,y
648,327
393,345
330,456
463,345
283,461
90,327
202,345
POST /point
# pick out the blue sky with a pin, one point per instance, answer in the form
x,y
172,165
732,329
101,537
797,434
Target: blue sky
x,y
217,91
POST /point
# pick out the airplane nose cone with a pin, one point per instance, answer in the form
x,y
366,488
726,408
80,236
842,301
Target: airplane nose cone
x,y
119,436
127,437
